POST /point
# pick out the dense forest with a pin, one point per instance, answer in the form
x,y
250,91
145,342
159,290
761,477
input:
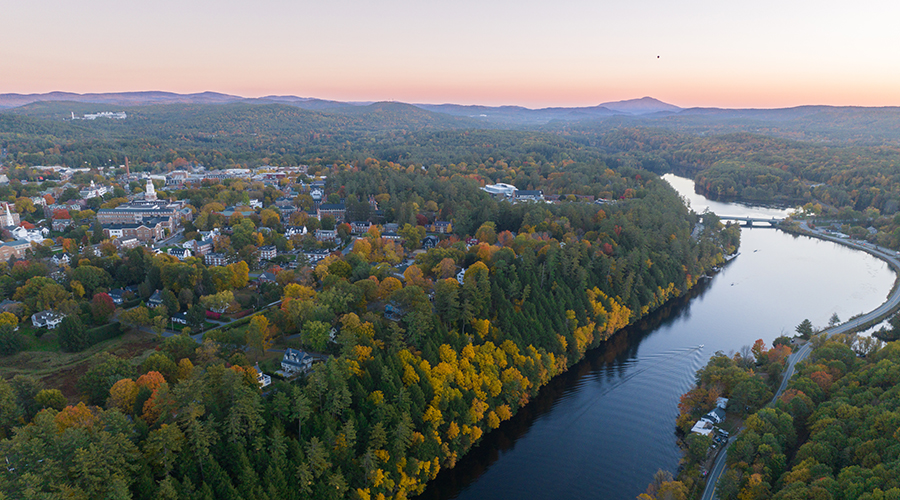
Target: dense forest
x,y
832,434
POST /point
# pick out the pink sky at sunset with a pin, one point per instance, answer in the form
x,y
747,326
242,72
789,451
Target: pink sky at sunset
x,y
529,53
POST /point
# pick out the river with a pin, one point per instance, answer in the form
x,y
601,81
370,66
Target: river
x,y
601,430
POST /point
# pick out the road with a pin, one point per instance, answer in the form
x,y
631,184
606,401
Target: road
x,y
884,310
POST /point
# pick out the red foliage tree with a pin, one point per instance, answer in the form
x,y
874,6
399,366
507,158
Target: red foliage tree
x,y
102,307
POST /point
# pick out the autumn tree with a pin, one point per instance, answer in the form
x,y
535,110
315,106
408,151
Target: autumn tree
x,y
241,274
102,307
258,335
316,335
218,302
136,317
122,395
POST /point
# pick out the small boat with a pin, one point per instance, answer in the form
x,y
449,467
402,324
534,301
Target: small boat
x,y
701,346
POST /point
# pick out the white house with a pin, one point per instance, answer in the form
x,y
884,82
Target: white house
x,y
60,259
181,253
35,235
706,424
703,427
47,319
263,379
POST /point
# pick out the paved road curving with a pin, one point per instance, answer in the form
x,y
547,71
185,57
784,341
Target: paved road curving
x,y
889,306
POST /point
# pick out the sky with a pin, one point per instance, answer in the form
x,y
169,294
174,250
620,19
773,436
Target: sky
x,y
761,54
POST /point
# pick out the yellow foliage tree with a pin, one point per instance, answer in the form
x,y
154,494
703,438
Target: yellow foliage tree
x,y
122,395
79,416
8,318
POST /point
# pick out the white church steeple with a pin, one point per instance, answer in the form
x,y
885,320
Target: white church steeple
x,y
8,219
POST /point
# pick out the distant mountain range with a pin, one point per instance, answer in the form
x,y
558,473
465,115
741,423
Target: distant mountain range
x,y
497,114
835,124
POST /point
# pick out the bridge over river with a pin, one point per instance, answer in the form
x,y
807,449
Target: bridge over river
x,y
748,221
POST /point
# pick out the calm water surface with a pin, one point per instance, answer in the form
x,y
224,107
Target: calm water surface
x,y
604,428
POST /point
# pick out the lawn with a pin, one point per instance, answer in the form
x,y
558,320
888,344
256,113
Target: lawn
x,y
61,370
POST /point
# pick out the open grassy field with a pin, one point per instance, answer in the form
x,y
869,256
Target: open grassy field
x,y
61,370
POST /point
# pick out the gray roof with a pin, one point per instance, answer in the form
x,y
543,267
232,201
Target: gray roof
x,y
17,243
294,357
45,316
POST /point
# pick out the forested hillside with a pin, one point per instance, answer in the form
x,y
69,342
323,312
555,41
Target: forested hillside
x,y
832,434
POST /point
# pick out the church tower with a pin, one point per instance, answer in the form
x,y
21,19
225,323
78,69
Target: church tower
x,y
8,220
150,193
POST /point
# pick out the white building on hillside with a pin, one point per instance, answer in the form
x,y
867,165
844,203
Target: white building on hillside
x,y
500,189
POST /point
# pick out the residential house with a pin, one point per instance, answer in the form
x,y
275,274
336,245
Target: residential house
x,y
261,378
267,252
461,276
266,277
126,243
155,300
61,224
313,256
360,227
429,242
703,427
181,253
11,306
442,227
716,416
706,425
326,234
199,247
394,312
47,319
117,295
216,259
529,195
295,361
61,258
180,318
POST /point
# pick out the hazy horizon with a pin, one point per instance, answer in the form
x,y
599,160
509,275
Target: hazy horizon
x,y
531,54
438,103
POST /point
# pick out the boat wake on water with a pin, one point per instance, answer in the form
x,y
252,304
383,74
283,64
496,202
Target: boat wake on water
x,y
660,361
